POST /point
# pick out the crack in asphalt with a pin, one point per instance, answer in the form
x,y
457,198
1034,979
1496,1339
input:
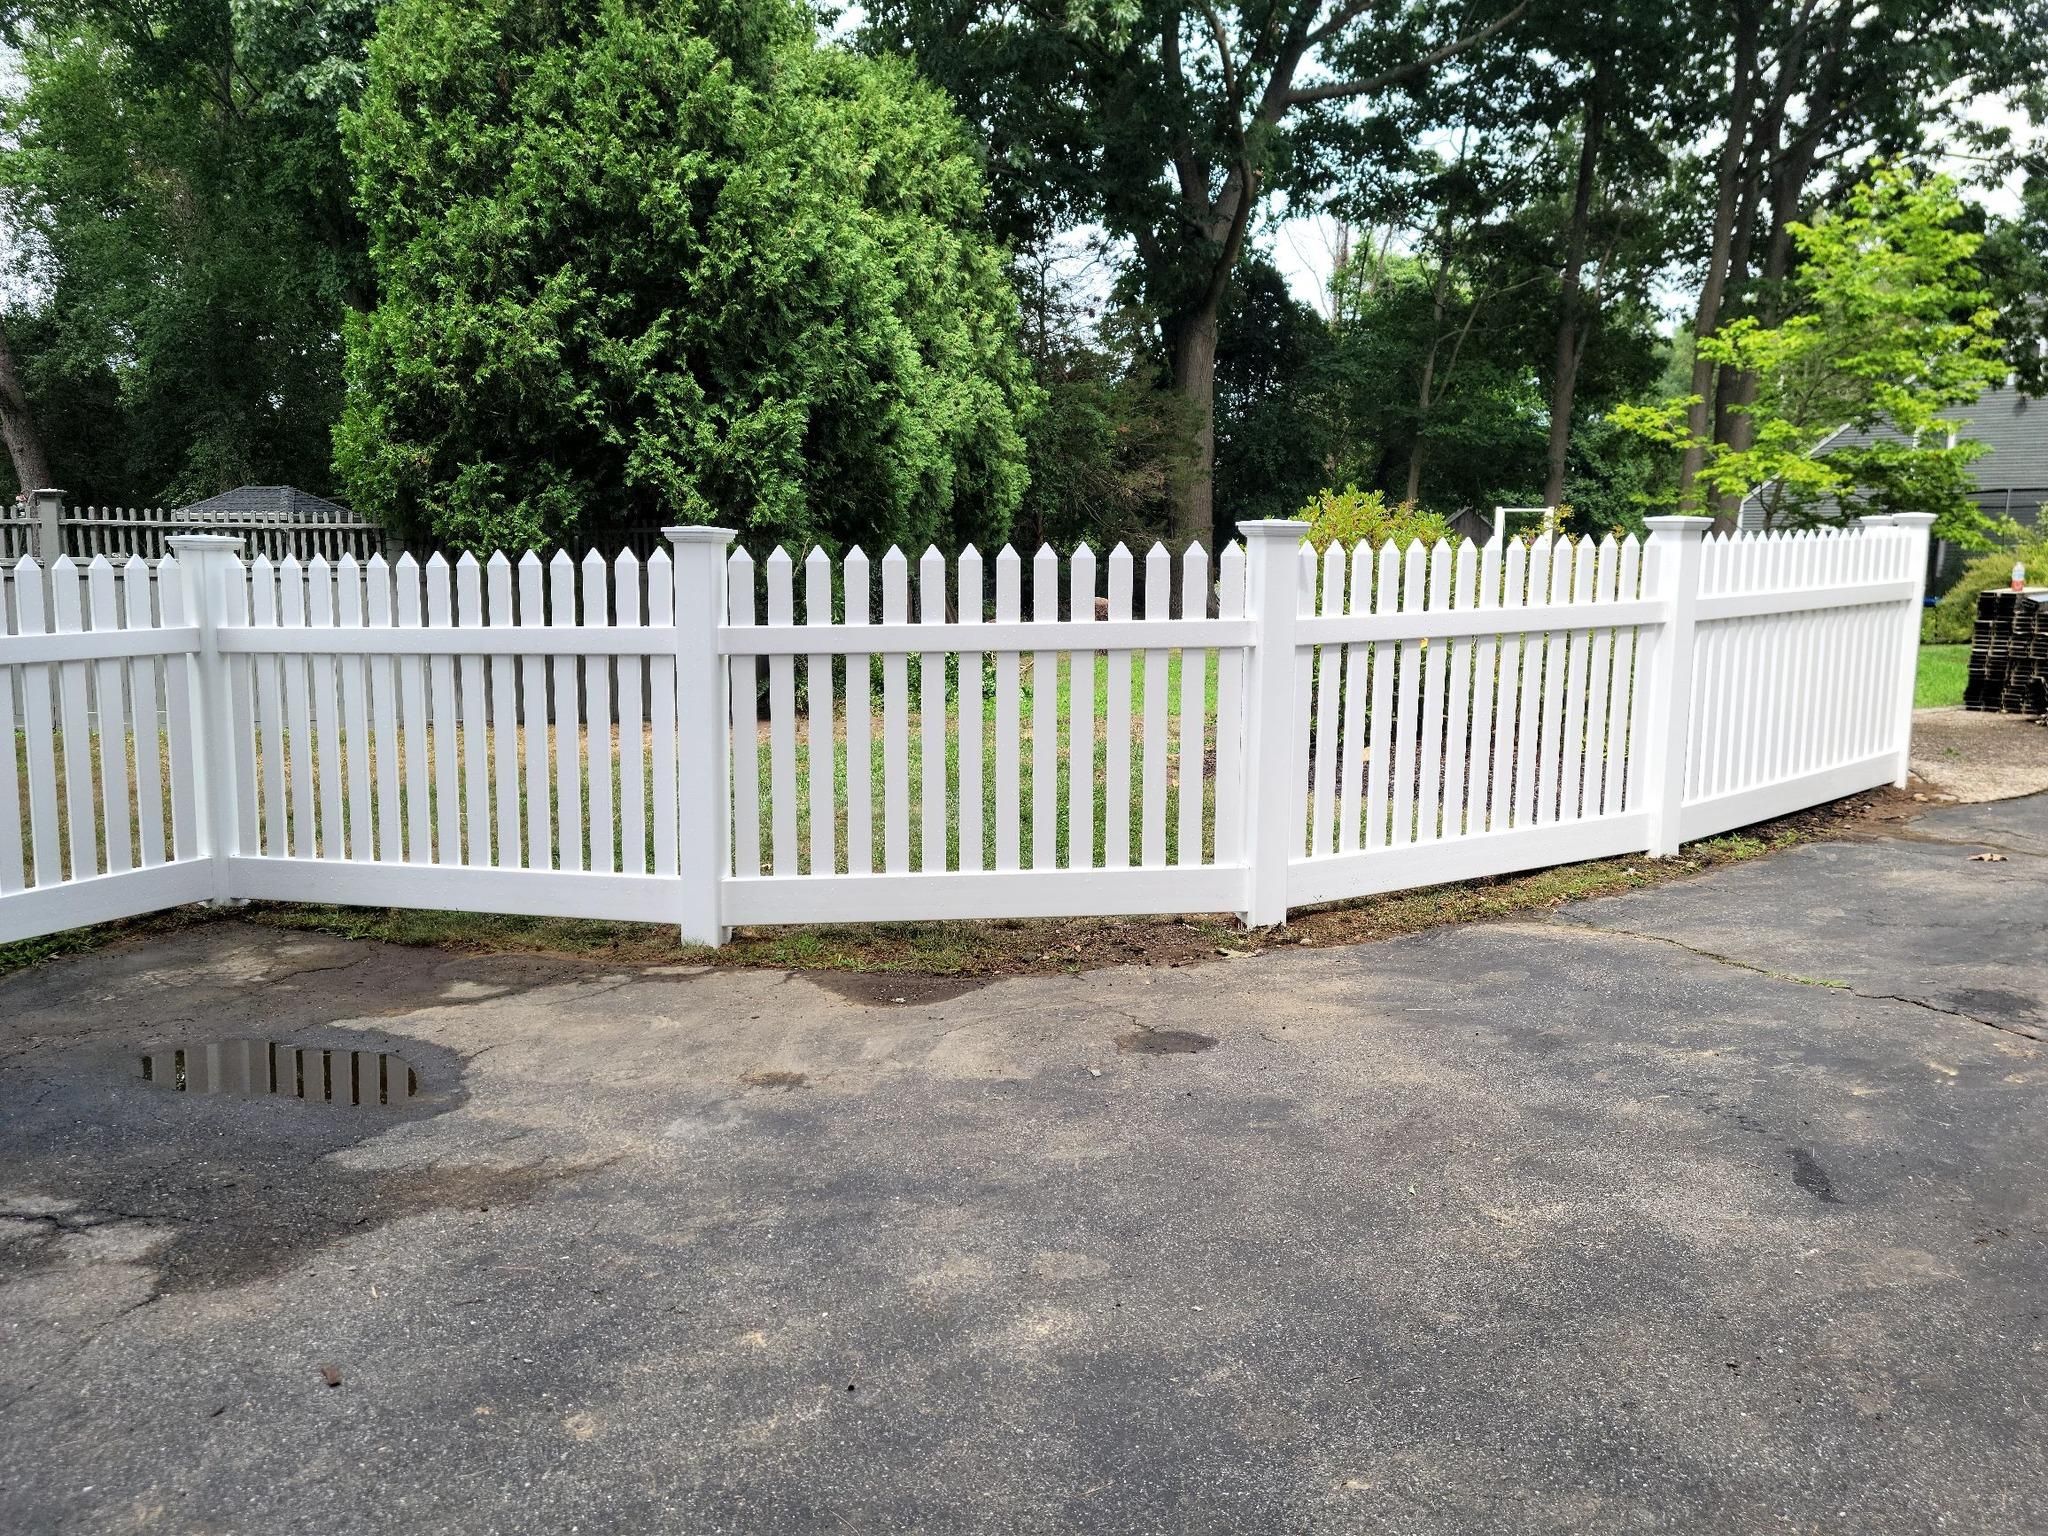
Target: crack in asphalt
x,y
1827,986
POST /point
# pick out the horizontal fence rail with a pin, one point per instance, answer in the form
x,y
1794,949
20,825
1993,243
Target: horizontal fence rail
x,y
701,737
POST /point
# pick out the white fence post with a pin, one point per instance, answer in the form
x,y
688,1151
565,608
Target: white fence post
x,y
1918,528
1674,553
1273,808
703,728
205,561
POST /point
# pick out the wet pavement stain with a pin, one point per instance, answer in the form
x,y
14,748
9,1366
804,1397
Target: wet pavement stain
x,y
1808,1174
1163,1042
216,1189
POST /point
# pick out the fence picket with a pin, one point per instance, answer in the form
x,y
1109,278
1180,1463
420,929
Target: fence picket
x,y
1480,782
969,596
781,576
931,715
895,719
384,715
473,710
1551,745
355,714
744,683
1528,745
860,715
1379,764
1599,719
74,707
818,721
1045,708
1352,766
1158,598
447,750
1578,661
1458,698
632,697
1081,715
1329,684
1430,789
110,695
1009,601
143,678
412,718
597,712
1194,711
324,676
664,788
269,713
533,723
503,672
1408,699
1230,806
1616,772
1116,724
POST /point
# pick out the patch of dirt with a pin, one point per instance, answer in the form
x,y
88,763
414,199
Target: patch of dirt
x,y
765,1077
1163,1042
895,989
1969,756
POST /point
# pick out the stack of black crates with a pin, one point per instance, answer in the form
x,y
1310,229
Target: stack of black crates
x,y
2009,653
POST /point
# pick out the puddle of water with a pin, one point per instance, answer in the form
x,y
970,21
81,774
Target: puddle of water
x,y
1163,1042
272,1068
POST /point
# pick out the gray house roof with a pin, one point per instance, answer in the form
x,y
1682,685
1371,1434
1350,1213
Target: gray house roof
x,y
267,503
2012,475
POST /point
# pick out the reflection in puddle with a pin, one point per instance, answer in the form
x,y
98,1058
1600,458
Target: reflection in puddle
x,y
261,1068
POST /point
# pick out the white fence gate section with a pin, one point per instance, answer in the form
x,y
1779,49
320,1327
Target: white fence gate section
x,y
652,740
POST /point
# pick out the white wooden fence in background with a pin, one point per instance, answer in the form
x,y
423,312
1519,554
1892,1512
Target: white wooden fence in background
x,y
512,737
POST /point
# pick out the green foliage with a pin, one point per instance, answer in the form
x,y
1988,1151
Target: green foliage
x,y
180,214
1950,619
1892,330
1272,428
1351,517
646,263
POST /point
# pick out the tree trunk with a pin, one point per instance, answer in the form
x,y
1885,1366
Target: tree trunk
x,y
1564,381
1194,376
18,428
1728,176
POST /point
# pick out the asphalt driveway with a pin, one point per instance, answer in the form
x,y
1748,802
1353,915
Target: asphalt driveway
x,y
1719,1206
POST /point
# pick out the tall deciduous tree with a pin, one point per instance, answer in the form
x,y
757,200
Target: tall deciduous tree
x,y
174,177
673,262
1894,328
1168,121
1797,87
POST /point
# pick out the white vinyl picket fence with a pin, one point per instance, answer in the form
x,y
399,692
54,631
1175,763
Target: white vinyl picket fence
x,y
696,739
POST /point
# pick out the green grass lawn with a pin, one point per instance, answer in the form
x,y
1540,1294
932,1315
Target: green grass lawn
x,y
1939,682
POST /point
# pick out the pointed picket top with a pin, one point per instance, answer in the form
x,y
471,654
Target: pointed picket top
x,y
1007,554
133,567
658,561
817,559
497,562
972,588
1120,555
739,559
405,566
1082,550
347,565
374,563
894,560
778,559
627,561
931,560
560,562
593,561
99,562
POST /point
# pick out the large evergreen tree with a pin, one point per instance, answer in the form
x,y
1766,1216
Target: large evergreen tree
x,y
672,262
